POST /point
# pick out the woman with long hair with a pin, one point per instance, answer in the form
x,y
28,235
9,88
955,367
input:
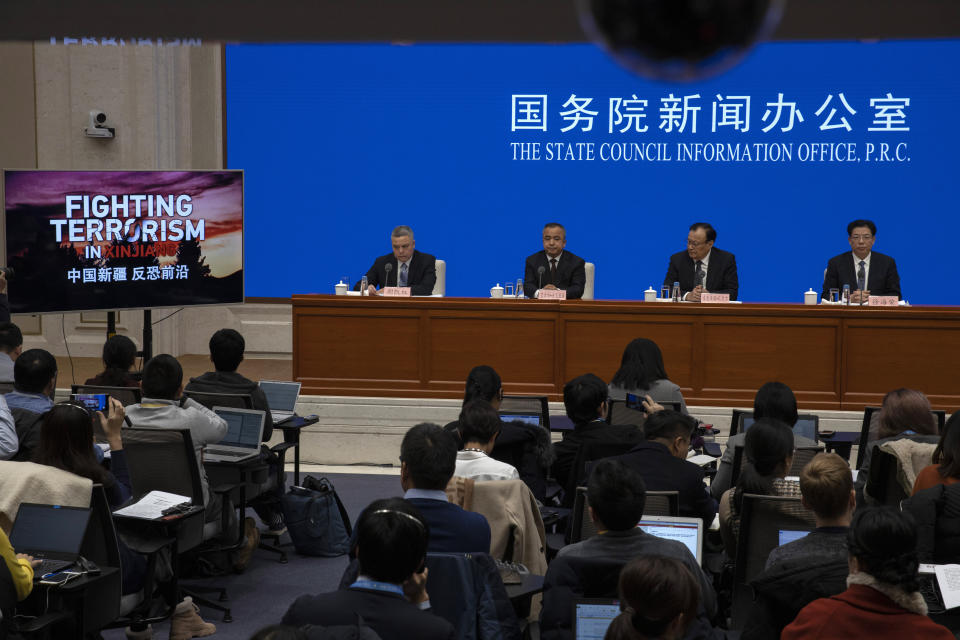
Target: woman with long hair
x,y
659,598
642,373
119,354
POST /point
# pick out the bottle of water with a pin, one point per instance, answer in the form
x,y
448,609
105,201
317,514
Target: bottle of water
x,y
846,294
363,286
676,292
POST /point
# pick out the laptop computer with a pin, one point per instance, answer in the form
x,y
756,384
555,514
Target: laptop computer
x,y
242,441
50,533
689,531
281,398
535,420
808,426
592,617
786,535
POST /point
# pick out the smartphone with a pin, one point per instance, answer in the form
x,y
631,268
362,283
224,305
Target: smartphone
x,y
634,401
92,401
56,579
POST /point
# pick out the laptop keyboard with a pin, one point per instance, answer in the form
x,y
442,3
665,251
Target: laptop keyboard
x,y
928,589
227,454
50,566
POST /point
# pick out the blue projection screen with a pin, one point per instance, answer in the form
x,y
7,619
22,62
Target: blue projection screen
x,y
477,146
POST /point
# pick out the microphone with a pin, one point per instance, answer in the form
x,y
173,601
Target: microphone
x,y
388,268
540,271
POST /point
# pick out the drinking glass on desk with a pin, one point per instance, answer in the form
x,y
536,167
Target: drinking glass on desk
x,y
834,295
664,293
508,290
519,288
345,280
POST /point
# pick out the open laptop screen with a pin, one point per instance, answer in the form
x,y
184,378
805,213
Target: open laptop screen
x,y
592,617
685,530
806,426
49,530
529,419
244,427
786,535
281,396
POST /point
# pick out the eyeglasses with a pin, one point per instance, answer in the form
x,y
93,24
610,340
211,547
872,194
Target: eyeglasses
x,y
696,243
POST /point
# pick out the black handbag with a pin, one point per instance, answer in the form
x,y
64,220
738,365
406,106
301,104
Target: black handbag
x,y
315,518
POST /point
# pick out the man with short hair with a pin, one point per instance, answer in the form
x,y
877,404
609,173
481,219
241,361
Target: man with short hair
x,y
408,267
34,384
390,592
617,496
702,268
11,345
866,271
814,566
479,427
554,268
661,460
428,458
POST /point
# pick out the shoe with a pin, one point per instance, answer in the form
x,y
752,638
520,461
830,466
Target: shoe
x,y
241,557
275,526
186,622
139,634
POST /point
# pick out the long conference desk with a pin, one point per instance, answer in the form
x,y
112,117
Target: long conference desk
x,y
833,357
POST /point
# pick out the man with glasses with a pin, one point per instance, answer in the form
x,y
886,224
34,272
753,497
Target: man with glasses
x,y
867,272
701,268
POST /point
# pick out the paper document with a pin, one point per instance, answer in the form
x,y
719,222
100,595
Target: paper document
x,y
948,578
151,506
701,459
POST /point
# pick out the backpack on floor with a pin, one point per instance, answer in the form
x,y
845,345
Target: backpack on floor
x,y
315,517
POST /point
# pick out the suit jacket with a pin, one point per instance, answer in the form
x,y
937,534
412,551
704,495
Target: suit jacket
x,y
453,530
389,614
662,471
571,275
421,276
721,273
882,280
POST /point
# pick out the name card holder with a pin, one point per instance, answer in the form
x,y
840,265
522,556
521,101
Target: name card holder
x,y
552,294
713,298
395,292
882,301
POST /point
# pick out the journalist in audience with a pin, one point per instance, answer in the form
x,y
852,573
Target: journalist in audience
x,y
882,600
119,355
774,400
428,458
659,598
390,593
815,566
642,373
35,382
11,345
20,566
479,427
946,458
767,456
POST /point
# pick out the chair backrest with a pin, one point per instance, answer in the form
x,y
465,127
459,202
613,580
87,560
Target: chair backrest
x,y
736,420
101,605
588,453
211,400
163,460
589,270
868,416
619,413
527,406
126,395
801,458
662,503
882,485
581,525
761,520
522,447
440,286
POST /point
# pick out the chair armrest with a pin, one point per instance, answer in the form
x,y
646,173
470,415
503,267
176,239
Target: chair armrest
x,y
279,449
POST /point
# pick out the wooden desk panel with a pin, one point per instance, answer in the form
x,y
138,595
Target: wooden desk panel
x,y
833,357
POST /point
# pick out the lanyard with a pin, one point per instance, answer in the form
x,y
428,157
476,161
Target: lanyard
x,y
378,586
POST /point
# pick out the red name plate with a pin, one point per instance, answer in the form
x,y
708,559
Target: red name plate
x,y
552,294
396,292
882,301
714,297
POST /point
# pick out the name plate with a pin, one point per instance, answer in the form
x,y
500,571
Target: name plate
x,y
552,294
882,301
714,297
395,292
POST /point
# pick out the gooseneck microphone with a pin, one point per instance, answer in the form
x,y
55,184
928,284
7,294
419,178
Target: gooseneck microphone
x,y
540,271
388,268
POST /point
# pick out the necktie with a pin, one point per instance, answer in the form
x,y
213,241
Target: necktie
x,y
403,275
862,276
698,278
553,271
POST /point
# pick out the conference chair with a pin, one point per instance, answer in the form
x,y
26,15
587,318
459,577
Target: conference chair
x,y
574,578
587,454
517,533
658,503
526,448
440,286
211,400
126,395
882,485
762,518
589,270
527,406
801,458
868,413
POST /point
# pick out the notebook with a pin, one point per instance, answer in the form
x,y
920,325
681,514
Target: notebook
x,y
49,533
592,617
689,531
242,441
281,398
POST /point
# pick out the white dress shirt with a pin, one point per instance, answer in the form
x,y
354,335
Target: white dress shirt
x,y
703,267
547,273
866,270
481,467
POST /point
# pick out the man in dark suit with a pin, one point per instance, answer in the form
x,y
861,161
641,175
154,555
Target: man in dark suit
x,y
428,458
701,268
866,271
408,267
662,463
390,594
561,269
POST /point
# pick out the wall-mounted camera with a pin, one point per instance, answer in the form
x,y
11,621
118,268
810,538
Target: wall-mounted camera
x,y
97,126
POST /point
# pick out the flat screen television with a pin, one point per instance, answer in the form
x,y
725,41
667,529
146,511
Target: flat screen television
x,y
85,240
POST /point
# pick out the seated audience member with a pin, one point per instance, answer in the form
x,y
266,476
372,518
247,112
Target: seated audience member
x,y
585,399
9,440
483,383
659,598
35,382
882,599
617,496
479,428
4,300
226,353
661,460
642,373
20,566
11,345
774,400
428,457
767,456
390,593
814,566
119,355
946,458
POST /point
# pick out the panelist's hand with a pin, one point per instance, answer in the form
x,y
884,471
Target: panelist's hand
x,y
372,290
694,296
550,286
650,405
859,296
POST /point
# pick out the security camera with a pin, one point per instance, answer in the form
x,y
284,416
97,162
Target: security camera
x,y
97,126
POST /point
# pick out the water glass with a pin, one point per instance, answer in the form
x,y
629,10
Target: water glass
x,y
519,288
665,293
508,290
834,295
